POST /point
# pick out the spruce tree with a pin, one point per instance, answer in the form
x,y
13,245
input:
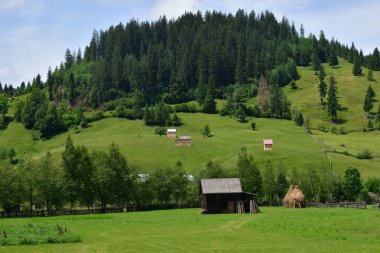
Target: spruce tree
x,y
378,114
333,59
357,70
315,61
209,105
370,76
368,100
332,100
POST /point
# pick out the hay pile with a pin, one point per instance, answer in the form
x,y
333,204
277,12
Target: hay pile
x,y
294,198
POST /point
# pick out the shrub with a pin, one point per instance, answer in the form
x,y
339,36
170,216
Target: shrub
x,y
334,130
365,155
293,85
160,131
322,128
342,130
206,132
253,125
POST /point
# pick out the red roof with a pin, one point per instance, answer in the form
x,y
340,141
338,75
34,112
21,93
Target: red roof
x,y
268,141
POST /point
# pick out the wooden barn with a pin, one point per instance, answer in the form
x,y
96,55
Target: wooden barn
x,y
183,141
171,133
268,144
225,195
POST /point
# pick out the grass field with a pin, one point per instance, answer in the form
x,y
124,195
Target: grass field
x,y
292,146
185,230
351,93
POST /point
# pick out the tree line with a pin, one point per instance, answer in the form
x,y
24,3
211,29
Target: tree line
x,y
87,179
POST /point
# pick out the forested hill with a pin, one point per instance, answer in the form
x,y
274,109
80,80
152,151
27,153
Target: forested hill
x,y
189,57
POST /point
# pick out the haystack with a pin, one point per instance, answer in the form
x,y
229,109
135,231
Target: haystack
x,y
294,198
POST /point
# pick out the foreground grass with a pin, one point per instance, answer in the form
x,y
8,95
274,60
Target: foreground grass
x,y
274,230
35,233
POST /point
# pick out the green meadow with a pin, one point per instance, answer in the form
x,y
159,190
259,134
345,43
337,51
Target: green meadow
x,y
351,94
185,230
147,151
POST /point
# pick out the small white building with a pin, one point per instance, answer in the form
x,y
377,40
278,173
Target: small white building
x,y
268,144
171,133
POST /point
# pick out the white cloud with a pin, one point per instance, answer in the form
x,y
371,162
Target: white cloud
x,y
6,5
174,8
358,23
7,71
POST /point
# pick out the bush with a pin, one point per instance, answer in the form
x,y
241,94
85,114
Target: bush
x,y
160,131
253,125
206,132
342,130
334,130
322,128
365,155
293,85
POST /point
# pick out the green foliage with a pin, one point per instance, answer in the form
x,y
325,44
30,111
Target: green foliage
x,y
332,101
160,131
269,182
3,105
298,118
206,131
293,85
357,70
370,76
351,183
249,173
369,99
253,125
366,154
333,59
36,233
213,170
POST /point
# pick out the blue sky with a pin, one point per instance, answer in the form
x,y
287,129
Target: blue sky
x,y
34,34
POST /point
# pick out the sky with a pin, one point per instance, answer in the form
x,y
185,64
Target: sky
x,y
34,34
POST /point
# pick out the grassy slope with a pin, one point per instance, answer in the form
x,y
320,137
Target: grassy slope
x,y
351,93
291,145
274,230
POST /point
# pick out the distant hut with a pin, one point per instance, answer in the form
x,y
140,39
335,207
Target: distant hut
x,y
268,144
294,198
183,141
171,133
224,195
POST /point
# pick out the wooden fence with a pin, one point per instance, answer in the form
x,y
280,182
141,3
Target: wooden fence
x,y
359,204
44,213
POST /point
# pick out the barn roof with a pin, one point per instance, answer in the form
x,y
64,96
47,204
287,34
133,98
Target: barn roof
x,y
221,185
170,130
268,141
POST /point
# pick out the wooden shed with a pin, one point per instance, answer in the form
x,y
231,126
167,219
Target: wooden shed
x,y
183,141
171,133
225,195
268,144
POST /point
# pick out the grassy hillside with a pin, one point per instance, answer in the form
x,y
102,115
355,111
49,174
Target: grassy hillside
x,y
351,93
143,148
274,230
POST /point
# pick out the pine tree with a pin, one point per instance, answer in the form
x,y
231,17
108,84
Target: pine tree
x,y
209,105
315,62
368,100
333,59
370,76
378,114
332,100
357,70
